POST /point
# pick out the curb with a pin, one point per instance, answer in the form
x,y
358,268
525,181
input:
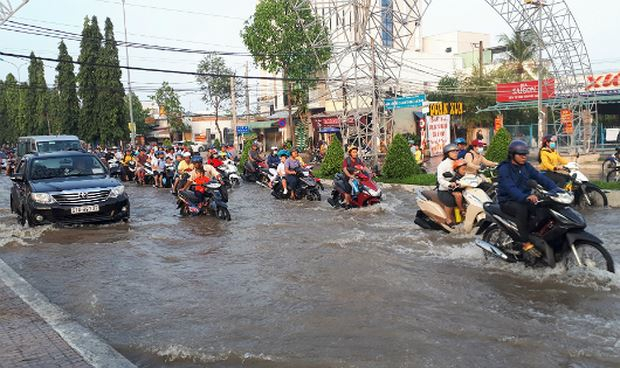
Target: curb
x,y
89,346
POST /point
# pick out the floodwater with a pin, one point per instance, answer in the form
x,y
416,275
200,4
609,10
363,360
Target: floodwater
x,y
302,285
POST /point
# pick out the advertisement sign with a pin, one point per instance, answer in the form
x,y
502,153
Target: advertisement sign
x,y
438,134
404,102
445,108
329,121
499,123
566,117
603,83
524,91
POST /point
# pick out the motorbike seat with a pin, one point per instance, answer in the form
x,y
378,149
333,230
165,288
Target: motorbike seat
x,y
190,196
431,195
495,209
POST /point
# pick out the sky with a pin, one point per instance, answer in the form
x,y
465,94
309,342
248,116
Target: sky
x,y
216,25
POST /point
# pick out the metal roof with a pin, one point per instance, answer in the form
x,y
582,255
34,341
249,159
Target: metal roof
x,y
601,99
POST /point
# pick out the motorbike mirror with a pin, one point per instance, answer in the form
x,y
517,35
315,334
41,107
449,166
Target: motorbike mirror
x,y
532,184
448,175
18,178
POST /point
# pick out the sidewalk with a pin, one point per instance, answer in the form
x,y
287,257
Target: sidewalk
x,y
26,340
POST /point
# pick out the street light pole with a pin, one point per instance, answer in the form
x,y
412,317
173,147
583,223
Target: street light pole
x,y
18,67
541,114
132,132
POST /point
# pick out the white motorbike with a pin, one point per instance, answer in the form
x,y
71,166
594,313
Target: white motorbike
x,y
229,169
586,193
432,216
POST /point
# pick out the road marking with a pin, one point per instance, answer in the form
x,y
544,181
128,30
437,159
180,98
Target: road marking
x,y
91,347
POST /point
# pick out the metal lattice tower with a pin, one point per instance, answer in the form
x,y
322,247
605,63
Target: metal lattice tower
x,y
8,8
369,39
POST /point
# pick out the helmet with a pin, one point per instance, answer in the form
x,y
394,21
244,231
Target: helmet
x,y
449,148
458,163
196,159
517,147
274,148
460,141
187,154
549,138
351,149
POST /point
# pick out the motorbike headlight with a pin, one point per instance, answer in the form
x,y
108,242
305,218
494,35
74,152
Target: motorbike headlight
x,y
117,191
43,198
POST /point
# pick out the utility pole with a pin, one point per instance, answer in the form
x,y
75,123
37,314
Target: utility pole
x,y
247,95
541,113
132,129
375,107
233,109
481,58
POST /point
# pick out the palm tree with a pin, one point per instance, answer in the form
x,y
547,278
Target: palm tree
x,y
521,48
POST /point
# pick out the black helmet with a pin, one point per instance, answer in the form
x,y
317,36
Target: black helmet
x,y
517,147
449,148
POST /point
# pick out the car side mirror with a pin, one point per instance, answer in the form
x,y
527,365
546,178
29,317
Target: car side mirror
x,y
448,175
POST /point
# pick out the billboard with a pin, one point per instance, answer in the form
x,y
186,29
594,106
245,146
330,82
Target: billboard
x,y
603,83
438,133
524,91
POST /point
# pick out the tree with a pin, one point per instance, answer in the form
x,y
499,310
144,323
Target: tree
x,y
139,114
521,48
13,95
498,149
36,98
283,36
90,47
168,100
215,85
4,123
110,105
66,104
399,162
332,163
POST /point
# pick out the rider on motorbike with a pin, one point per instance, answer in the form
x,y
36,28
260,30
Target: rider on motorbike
x,y
214,159
462,146
291,165
273,160
350,167
254,157
444,191
550,161
514,194
141,160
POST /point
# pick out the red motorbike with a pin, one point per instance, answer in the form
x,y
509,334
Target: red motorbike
x,y
369,192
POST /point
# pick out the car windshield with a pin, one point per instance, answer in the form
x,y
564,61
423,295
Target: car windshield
x,y
59,167
55,146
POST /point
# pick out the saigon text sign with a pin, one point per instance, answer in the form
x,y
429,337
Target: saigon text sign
x,y
524,91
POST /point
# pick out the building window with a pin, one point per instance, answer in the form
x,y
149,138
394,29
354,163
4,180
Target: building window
x,y
387,21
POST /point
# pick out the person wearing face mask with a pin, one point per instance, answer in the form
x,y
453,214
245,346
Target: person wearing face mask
x,y
475,158
550,161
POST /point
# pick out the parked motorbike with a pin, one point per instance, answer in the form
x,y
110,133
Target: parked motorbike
x,y
558,234
115,168
612,165
431,215
168,176
213,204
130,170
260,176
308,185
369,192
149,179
586,194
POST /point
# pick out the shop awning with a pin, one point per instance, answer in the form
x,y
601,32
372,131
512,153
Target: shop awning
x,y
263,124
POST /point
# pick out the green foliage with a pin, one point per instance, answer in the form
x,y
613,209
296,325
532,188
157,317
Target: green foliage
x,y
167,98
167,142
399,162
64,101
520,47
498,149
247,144
217,144
332,163
215,85
110,105
36,98
613,185
418,179
90,47
13,96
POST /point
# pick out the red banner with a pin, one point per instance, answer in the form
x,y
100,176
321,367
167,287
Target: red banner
x,y
499,123
566,117
524,91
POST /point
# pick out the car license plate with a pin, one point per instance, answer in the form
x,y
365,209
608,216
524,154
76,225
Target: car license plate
x,y
84,209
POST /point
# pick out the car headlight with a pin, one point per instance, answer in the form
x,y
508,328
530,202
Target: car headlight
x,y
117,191
43,198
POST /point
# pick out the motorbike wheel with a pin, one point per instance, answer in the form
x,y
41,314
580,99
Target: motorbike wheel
x,y
498,237
234,182
608,166
222,213
184,211
613,176
592,255
596,198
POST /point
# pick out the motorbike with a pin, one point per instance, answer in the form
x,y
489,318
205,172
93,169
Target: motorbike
x,y
229,173
431,215
115,168
369,192
586,193
308,185
213,204
611,166
168,176
317,158
148,174
130,170
558,234
260,176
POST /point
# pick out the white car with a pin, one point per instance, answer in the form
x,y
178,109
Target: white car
x,y
196,147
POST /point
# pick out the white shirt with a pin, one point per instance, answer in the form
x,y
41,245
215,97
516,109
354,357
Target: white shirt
x,y
281,171
444,167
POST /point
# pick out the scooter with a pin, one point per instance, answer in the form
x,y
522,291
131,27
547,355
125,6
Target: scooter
x,y
369,192
229,171
115,168
308,185
189,205
431,215
168,176
586,194
558,234
260,176
612,165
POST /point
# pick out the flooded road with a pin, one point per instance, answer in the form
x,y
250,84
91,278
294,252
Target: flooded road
x,y
300,284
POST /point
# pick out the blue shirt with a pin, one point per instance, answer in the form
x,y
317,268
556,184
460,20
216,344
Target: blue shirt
x,y
462,154
512,181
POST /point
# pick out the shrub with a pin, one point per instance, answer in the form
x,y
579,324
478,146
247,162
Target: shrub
x,y
216,144
332,163
247,144
498,149
167,143
399,162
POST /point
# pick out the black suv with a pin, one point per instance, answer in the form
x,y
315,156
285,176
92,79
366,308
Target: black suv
x,y
68,188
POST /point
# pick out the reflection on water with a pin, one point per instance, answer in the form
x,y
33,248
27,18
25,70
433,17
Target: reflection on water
x,y
300,284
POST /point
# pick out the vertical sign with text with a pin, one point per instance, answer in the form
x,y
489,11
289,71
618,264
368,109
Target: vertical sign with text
x,y
438,134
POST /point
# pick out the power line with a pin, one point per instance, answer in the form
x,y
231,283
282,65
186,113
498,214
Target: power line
x,y
192,12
